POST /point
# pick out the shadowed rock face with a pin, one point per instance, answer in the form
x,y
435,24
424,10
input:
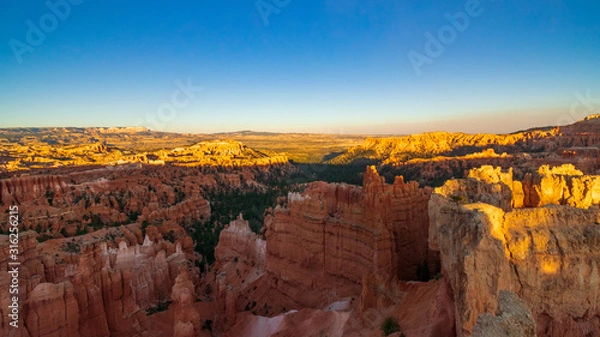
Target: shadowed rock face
x,y
548,255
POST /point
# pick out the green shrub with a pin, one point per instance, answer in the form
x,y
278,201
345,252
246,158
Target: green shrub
x,y
170,236
71,247
81,230
390,325
159,307
459,199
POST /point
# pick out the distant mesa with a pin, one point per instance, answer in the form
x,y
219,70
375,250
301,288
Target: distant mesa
x,y
390,150
35,148
127,129
35,154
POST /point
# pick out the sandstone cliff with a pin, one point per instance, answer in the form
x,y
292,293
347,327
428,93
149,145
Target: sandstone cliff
x,y
27,188
548,255
320,253
329,236
551,140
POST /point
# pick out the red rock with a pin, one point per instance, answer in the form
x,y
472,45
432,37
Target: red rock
x,y
52,311
102,291
329,236
317,252
187,319
26,188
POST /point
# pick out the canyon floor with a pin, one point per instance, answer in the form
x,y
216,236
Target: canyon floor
x,y
129,232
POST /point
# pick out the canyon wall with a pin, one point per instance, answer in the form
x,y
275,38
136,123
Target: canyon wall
x,y
319,254
330,235
19,190
548,254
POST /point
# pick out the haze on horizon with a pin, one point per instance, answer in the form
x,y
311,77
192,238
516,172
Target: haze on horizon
x,y
300,66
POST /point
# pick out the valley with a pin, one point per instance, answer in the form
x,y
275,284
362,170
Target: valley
x,y
130,232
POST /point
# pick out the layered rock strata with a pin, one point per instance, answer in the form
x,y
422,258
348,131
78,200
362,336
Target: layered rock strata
x,y
93,286
548,254
331,235
315,256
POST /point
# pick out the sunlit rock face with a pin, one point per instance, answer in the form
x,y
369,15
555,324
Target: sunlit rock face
x,y
493,236
37,154
575,141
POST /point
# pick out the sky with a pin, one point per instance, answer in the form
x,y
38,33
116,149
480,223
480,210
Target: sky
x,y
334,66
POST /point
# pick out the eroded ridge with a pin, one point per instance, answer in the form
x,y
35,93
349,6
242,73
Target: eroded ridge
x,y
538,238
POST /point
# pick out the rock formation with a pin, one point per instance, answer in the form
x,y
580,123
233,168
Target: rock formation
x,y
93,286
319,250
513,318
53,311
425,145
20,190
40,154
556,141
187,319
329,236
548,255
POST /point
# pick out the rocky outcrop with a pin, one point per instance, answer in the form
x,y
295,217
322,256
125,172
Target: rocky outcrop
x,y
31,272
53,311
425,145
238,241
240,279
329,236
547,255
551,140
40,154
196,208
94,286
308,275
187,319
513,318
26,188
564,185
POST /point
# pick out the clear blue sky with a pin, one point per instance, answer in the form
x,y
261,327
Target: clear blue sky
x,y
337,66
